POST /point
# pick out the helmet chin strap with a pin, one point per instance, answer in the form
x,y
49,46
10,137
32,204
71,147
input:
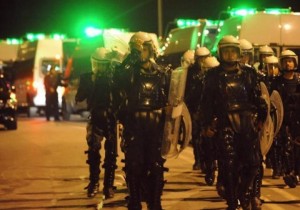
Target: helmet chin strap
x,y
287,71
229,65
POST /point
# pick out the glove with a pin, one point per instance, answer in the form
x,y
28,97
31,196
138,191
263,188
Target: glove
x,y
262,110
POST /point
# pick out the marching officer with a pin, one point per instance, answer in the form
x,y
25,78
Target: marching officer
x,y
98,89
143,86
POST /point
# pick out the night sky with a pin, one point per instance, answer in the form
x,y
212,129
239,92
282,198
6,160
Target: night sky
x,y
18,17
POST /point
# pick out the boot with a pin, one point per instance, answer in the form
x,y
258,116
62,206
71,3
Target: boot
x,y
94,169
134,200
110,167
210,172
276,162
290,180
109,176
155,192
256,203
196,150
92,189
245,202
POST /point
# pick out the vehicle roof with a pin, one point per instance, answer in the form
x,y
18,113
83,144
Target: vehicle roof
x,y
262,28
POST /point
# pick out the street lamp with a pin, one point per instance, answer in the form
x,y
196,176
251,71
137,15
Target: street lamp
x,y
159,18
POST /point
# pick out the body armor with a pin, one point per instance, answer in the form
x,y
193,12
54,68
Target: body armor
x,y
149,94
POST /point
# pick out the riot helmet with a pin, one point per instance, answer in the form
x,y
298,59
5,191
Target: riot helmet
x,y
142,46
209,62
288,60
187,58
100,60
271,66
229,50
247,52
200,54
265,51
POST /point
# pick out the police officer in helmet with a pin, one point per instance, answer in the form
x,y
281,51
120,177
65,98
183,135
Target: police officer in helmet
x,y
233,112
97,88
143,86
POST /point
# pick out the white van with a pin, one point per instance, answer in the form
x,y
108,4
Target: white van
x,y
280,31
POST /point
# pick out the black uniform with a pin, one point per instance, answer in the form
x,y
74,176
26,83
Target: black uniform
x,y
192,97
289,132
144,93
101,124
203,147
232,106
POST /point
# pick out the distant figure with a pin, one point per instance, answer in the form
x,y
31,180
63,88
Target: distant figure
x,y
193,88
51,82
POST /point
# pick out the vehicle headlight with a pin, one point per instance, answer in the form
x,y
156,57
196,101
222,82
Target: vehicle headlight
x,y
1,103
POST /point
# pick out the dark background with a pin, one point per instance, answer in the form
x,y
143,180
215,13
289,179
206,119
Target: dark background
x,y
18,17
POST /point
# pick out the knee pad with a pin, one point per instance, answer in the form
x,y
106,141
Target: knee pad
x,y
94,142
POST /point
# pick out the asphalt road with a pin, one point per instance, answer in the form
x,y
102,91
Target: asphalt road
x,y
42,166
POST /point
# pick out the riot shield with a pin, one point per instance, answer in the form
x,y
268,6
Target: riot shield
x,y
278,112
177,116
266,134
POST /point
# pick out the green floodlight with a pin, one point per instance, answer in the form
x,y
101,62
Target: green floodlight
x,y
92,31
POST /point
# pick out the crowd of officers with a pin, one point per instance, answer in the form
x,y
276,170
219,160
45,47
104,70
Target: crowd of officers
x,y
227,109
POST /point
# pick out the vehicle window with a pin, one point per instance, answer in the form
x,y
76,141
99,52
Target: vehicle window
x,y
47,63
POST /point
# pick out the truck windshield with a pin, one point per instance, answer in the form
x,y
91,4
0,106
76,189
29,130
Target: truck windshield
x,y
47,63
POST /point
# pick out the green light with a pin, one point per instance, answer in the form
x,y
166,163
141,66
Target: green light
x,y
92,32
58,36
30,37
13,41
182,23
40,36
242,12
278,10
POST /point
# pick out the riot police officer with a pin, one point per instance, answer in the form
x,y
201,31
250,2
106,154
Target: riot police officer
x,y
247,59
208,143
289,89
97,88
271,75
263,52
233,111
143,86
247,52
187,58
193,88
